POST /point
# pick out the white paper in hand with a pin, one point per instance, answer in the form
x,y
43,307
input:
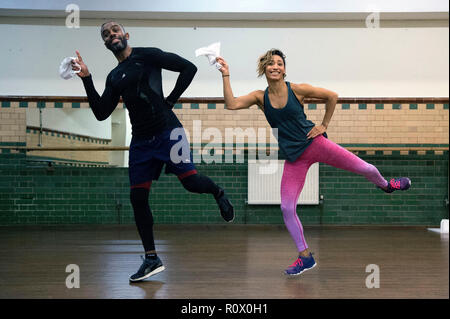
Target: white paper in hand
x,y
65,68
211,52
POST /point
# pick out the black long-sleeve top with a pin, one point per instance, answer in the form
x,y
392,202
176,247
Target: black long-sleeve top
x,y
138,80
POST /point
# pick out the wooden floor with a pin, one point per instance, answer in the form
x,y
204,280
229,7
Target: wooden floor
x,y
226,262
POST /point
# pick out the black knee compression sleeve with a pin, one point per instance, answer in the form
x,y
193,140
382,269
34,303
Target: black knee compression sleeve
x,y
200,184
143,216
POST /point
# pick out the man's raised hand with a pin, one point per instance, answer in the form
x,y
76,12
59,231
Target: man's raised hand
x,y
79,60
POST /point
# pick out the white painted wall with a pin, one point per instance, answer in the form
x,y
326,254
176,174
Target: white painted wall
x,y
252,6
121,136
118,136
354,62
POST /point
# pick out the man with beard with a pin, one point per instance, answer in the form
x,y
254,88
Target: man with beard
x,y
137,78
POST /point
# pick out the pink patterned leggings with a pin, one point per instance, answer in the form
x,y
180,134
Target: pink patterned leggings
x,y
294,173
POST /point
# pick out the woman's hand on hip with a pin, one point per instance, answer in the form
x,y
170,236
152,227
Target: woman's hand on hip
x,y
316,131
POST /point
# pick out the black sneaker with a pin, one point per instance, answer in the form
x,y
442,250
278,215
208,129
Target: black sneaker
x,y
226,208
148,268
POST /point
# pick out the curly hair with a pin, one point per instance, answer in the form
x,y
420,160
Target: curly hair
x,y
265,59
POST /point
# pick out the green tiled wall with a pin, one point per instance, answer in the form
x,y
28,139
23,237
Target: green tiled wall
x,y
32,194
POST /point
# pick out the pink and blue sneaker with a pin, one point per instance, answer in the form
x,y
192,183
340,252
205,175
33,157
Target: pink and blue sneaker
x,y
395,184
300,265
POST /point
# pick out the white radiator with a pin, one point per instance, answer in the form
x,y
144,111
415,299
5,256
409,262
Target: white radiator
x,y
264,186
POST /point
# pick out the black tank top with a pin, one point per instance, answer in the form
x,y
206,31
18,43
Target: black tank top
x,y
291,124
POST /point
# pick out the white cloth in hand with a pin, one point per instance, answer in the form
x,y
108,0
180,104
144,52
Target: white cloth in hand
x,y
65,68
211,52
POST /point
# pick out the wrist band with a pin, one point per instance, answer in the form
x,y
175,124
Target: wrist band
x,y
224,76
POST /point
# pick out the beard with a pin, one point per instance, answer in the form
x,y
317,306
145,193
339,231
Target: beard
x,y
118,46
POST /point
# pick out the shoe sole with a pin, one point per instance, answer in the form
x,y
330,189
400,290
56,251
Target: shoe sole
x,y
229,221
301,271
409,184
232,208
154,272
